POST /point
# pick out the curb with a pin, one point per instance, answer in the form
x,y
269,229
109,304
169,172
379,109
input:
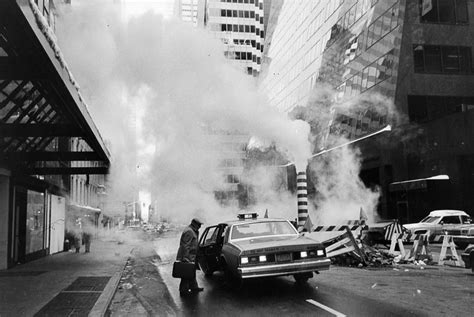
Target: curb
x,y
100,307
103,303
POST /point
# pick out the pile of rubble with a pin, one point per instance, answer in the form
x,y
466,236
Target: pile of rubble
x,y
358,252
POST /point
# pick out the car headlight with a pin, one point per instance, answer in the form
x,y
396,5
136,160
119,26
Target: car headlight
x,y
304,254
320,252
262,258
244,260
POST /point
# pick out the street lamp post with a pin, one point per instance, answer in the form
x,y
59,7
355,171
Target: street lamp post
x,y
301,182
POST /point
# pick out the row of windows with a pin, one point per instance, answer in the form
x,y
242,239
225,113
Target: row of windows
x,y
245,42
350,17
370,76
238,28
444,11
384,24
239,55
346,21
239,1
436,59
231,163
238,14
426,108
242,29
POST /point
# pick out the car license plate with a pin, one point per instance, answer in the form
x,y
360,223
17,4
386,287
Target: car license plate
x,y
283,257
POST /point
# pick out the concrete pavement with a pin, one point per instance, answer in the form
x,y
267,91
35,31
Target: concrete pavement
x,y
67,282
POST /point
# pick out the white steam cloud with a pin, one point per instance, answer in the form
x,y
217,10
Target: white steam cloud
x,y
153,87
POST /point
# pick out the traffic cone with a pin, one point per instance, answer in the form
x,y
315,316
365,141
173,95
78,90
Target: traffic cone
x,y
308,225
363,215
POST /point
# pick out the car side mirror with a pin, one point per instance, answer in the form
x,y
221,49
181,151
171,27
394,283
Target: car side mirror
x,y
441,222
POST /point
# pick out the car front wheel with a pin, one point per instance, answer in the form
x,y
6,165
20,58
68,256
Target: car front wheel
x,y
302,278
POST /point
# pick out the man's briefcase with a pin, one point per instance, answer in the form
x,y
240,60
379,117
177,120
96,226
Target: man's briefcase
x,y
186,270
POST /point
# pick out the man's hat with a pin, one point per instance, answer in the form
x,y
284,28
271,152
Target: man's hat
x,y
196,221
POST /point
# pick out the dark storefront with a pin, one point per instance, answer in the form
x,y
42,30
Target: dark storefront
x,y
41,110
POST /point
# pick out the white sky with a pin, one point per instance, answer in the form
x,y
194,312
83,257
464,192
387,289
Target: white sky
x,y
132,8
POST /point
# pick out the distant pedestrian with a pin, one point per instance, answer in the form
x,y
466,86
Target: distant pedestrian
x,y
78,235
86,240
187,251
77,242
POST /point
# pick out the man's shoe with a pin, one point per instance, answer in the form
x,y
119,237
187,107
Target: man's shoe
x,y
197,289
185,293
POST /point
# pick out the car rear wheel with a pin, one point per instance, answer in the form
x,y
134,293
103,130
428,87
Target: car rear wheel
x,y
231,280
302,278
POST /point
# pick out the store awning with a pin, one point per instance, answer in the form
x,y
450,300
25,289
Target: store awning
x,y
41,107
413,184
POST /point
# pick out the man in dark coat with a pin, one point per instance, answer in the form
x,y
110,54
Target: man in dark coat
x,y
188,246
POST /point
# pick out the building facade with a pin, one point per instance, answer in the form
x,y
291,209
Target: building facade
x,y
239,24
418,54
41,110
189,10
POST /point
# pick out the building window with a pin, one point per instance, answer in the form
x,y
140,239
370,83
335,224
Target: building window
x,y
444,11
437,59
427,108
383,25
232,179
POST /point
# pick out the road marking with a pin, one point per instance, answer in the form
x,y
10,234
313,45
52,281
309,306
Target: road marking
x,y
332,311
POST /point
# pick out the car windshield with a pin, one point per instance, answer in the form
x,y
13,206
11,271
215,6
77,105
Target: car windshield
x,y
430,219
262,229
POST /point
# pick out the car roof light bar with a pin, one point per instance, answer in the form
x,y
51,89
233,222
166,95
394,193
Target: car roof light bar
x,y
247,216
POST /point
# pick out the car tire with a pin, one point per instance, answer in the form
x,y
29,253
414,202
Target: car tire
x,y
302,278
461,245
205,269
471,258
231,280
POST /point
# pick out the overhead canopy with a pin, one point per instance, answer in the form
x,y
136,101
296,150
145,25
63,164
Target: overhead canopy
x,y
416,183
40,104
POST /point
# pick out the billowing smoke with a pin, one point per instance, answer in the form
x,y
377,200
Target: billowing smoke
x,y
157,90
340,194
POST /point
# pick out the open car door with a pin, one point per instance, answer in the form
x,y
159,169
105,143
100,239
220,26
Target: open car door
x,y
210,246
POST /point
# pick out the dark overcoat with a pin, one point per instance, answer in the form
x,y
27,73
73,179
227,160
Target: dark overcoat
x,y
188,245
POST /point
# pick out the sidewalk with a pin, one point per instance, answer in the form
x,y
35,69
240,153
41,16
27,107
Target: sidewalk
x,y
81,283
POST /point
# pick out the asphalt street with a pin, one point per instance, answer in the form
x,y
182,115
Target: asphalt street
x,y
402,291
148,289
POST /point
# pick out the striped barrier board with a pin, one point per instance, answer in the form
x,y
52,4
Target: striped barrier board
x,y
387,229
410,237
335,228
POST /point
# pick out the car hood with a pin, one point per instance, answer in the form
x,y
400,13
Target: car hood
x,y
418,225
269,244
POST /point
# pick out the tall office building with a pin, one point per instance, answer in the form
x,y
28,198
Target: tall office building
x,y
419,54
189,10
239,24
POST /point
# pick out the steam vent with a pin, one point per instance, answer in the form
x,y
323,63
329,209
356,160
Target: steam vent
x,y
302,193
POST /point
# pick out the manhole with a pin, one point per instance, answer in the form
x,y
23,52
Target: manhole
x,y
20,273
88,284
70,304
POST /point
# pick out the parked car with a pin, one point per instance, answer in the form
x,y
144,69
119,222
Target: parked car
x,y
468,257
253,248
440,222
463,235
